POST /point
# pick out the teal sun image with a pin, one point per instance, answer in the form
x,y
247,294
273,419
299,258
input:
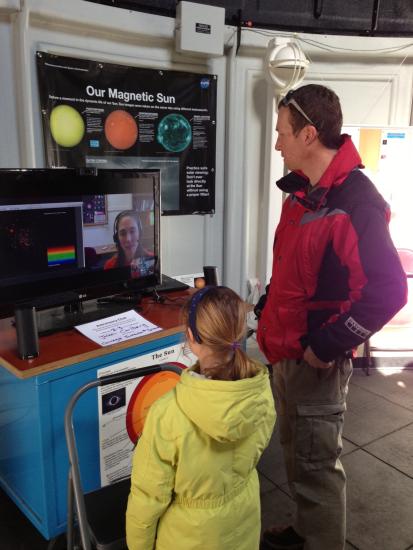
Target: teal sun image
x,y
174,133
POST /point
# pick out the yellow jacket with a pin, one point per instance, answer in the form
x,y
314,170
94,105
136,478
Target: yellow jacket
x,y
194,484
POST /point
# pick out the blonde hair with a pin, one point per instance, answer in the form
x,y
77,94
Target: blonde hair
x,y
217,318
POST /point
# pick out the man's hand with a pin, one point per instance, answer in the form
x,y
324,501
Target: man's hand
x,y
311,358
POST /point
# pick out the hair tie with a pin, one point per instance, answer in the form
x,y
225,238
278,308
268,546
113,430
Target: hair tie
x,y
235,346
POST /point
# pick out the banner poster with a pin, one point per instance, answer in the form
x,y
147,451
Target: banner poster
x,y
105,115
123,406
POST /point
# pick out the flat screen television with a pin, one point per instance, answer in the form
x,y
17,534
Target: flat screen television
x,y
68,235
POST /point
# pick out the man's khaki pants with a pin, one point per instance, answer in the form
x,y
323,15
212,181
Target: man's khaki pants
x,y
310,405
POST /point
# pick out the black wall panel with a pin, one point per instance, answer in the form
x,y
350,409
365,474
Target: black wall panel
x,y
310,16
395,16
354,17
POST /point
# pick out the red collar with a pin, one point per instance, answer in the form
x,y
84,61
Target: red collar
x,y
344,161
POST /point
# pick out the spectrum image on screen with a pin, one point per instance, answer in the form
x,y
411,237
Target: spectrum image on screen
x,y
39,238
61,255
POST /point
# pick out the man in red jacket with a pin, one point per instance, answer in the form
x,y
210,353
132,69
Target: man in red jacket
x,y
336,280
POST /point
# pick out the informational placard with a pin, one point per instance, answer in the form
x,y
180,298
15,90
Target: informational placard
x,y
118,328
113,116
123,407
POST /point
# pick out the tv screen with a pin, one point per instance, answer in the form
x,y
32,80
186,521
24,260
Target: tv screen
x,y
87,232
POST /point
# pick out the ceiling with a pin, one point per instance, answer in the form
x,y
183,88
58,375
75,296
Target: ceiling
x,y
352,17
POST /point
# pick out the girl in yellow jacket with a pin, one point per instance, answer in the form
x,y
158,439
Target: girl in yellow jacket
x,y
194,483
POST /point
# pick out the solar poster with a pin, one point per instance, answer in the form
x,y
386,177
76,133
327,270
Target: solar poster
x,y
106,115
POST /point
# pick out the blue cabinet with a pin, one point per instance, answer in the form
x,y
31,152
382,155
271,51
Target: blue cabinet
x,y
33,456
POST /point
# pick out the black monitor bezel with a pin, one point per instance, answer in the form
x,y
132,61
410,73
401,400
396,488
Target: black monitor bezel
x,y
31,185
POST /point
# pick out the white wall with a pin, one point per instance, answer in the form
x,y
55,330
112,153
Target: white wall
x,y
9,145
375,88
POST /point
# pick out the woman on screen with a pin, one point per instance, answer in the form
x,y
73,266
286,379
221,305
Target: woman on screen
x,y
127,232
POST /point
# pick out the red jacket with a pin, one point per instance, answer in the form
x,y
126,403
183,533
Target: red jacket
x,y
336,275
143,265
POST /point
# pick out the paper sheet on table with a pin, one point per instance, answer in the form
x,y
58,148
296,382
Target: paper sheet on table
x,y
117,328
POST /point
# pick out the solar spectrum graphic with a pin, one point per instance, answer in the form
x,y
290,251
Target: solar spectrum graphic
x,y
59,255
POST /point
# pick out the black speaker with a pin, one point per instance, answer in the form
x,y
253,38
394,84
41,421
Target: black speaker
x,y
27,335
211,275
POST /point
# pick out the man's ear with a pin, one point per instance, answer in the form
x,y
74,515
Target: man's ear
x,y
311,134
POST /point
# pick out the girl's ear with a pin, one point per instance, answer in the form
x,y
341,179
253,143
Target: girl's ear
x,y
190,335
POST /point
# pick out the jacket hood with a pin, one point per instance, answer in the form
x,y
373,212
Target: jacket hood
x,y
225,410
346,159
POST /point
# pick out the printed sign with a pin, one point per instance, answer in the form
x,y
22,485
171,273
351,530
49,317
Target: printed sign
x,y
123,407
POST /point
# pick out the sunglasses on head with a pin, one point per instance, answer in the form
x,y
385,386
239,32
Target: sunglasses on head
x,y
289,100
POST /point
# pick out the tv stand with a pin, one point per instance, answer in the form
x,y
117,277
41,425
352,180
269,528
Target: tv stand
x,y
52,317
56,320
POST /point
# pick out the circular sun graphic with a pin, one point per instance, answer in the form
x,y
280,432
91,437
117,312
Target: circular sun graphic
x,y
66,126
174,133
146,392
121,129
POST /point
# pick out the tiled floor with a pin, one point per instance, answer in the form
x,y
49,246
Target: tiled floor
x,y
378,458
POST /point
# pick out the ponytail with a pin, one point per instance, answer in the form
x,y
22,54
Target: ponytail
x,y
217,319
